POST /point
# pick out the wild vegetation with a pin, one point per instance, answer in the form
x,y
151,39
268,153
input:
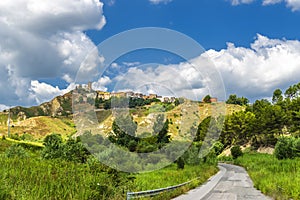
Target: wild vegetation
x,y
277,178
63,167
64,170
261,123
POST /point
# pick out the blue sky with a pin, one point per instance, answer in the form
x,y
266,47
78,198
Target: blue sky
x,y
254,44
211,23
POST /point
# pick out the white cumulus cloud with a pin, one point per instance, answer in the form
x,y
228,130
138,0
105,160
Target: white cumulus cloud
x,y
101,83
160,1
238,2
43,92
43,39
293,4
253,72
257,71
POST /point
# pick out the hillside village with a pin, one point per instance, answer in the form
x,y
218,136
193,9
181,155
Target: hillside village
x,y
57,114
128,94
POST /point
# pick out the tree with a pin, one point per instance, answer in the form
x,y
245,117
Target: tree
x,y
233,99
160,129
277,96
53,146
202,129
180,163
292,91
177,102
123,131
207,99
238,128
236,152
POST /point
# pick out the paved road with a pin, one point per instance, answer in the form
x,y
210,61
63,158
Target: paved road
x,y
230,183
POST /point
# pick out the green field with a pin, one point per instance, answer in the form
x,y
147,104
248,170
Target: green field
x,y
279,179
28,176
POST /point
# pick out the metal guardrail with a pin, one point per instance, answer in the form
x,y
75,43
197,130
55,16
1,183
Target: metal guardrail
x,y
149,193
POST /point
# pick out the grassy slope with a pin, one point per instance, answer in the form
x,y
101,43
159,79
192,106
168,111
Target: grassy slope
x,y
35,178
140,116
279,179
40,126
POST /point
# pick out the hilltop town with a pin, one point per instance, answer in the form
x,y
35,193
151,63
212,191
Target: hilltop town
x,y
129,94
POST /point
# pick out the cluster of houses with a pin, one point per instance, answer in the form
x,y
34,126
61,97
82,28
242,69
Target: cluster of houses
x,y
128,94
108,95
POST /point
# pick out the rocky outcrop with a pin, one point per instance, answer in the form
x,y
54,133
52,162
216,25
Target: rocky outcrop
x,y
59,106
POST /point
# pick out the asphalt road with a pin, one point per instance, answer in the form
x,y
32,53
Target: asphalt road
x,y
230,183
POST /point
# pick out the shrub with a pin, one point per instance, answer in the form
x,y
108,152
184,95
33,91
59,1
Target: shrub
x,y
16,151
75,151
15,136
180,163
236,152
218,147
191,156
284,148
211,157
287,148
296,146
53,147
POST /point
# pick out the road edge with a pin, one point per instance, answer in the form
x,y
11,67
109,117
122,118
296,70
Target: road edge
x,y
201,191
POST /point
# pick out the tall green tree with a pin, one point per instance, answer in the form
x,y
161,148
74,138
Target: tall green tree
x,y
123,131
234,99
160,129
277,96
206,99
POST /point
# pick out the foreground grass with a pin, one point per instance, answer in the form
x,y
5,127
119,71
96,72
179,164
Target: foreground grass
x,y
31,178
279,179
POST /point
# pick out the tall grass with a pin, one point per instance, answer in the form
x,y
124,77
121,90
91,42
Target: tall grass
x,y
279,179
171,176
33,178
40,179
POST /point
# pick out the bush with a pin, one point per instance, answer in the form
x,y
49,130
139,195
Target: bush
x,y
236,152
287,148
53,147
16,151
180,163
296,146
211,157
75,151
218,147
15,136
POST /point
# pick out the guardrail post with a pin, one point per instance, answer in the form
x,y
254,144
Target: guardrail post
x,y
127,196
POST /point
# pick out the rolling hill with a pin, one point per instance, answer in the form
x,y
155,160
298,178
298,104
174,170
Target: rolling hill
x,y
56,116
